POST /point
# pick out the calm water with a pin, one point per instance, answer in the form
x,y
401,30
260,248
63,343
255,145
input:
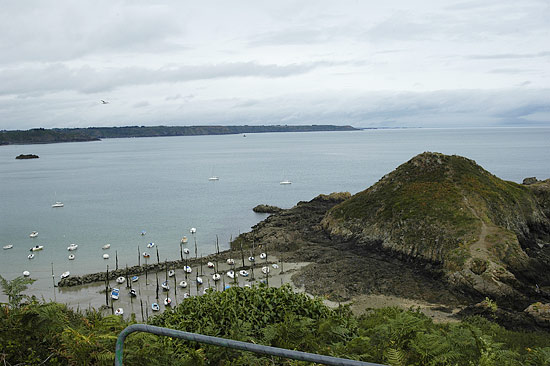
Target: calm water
x,y
114,189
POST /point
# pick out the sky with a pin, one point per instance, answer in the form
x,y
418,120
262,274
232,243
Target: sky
x,y
395,63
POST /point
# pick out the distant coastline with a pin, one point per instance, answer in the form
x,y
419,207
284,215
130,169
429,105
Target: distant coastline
x,y
56,135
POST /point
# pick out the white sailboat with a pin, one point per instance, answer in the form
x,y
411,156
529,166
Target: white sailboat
x,y
285,181
213,177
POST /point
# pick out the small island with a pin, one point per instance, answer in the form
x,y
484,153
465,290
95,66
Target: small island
x,y
27,156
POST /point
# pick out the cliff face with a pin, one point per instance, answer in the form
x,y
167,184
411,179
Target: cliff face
x,y
486,233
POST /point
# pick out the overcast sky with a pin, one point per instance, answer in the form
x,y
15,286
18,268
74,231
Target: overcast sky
x,y
389,63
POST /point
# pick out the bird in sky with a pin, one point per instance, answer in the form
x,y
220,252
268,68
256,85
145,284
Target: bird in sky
x,y
104,102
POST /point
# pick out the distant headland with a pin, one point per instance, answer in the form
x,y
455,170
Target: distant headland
x,y
48,136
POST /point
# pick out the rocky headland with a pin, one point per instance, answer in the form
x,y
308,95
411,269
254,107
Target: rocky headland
x,y
439,228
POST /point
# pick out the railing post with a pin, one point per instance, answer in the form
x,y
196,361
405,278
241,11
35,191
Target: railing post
x,y
229,343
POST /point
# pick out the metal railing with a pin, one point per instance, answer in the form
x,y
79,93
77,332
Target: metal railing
x,y
229,343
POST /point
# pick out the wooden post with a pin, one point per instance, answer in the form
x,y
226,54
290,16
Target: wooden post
x,y
158,260
116,260
107,287
139,257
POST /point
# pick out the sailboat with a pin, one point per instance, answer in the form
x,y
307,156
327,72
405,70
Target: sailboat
x,y
285,181
213,177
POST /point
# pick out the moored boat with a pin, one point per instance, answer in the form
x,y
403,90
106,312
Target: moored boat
x,y
167,301
263,256
65,274
58,204
105,256
146,255
71,257
119,311
216,277
165,286
34,234
155,306
193,230
37,248
251,259
120,279
199,280
230,261
171,273
115,293
231,274
106,246
30,256
275,265
186,251
132,292
26,273
184,240
150,245
210,265
243,273
183,284
187,269
265,270
73,246
135,278
9,246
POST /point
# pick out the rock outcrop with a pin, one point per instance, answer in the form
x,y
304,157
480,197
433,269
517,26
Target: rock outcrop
x,y
27,156
266,209
487,234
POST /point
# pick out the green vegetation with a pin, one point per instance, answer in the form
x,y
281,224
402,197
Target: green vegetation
x,y
433,206
33,332
45,136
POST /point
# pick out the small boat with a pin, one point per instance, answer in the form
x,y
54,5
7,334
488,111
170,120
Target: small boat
x,y
216,277
265,269
263,256
184,240
120,279
193,230
143,232
34,234
275,265
199,280
150,245
247,285
251,259
155,306
119,311
72,247
26,273
230,261
210,265
231,274
132,292
71,257
186,251
243,273
214,178
115,293
57,204
37,248
106,246
186,295
167,301
187,269
205,290
105,256
9,246
171,273
165,286
146,255
30,256
65,274
285,181
183,284
135,278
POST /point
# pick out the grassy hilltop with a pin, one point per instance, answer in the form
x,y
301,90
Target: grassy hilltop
x,y
448,210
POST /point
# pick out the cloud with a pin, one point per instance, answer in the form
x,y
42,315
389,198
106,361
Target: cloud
x,y
59,77
499,56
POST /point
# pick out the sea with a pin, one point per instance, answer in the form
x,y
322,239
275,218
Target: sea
x,y
115,189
